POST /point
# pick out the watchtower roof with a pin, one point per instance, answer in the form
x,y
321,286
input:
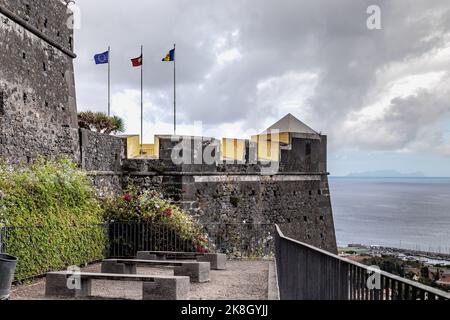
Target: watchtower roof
x,y
290,124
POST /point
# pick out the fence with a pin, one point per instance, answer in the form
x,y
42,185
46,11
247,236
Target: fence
x,y
236,240
2,232
125,239
242,240
308,273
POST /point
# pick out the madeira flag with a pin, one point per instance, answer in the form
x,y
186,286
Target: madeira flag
x,y
137,62
170,56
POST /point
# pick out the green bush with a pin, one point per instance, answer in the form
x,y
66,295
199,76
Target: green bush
x,y
52,217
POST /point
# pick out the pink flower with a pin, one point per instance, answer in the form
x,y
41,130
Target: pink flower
x,y
168,212
128,197
202,250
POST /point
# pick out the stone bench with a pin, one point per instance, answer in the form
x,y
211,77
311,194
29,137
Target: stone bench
x,y
196,271
218,261
153,287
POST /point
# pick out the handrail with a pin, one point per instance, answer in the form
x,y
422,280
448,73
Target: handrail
x,y
387,275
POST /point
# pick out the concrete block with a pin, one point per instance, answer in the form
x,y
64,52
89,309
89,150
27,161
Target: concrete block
x,y
58,285
112,267
197,271
144,255
218,261
173,288
85,290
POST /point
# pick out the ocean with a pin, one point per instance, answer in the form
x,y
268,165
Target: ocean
x,y
409,213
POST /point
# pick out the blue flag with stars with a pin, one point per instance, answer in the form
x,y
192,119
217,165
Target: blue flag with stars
x,y
102,58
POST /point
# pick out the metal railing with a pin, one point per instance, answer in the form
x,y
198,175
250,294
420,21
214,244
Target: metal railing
x,y
242,240
2,232
125,239
308,273
236,240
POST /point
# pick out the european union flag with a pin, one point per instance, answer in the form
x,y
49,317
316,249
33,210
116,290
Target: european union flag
x,y
102,58
170,56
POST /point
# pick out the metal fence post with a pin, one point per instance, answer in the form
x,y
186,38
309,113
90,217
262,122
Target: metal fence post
x,y
1,239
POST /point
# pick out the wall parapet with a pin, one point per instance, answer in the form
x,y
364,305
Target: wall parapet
x,y
177,173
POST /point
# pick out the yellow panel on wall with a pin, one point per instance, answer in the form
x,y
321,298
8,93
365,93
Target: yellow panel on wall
x,y
133,147
269,145
149,150
282,138
233,149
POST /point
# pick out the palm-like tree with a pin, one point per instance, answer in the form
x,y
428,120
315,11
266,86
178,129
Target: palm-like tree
x,y
117,125
100,122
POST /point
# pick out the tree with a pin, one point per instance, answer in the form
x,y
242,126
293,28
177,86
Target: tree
x,y
425,272
100,122
117,125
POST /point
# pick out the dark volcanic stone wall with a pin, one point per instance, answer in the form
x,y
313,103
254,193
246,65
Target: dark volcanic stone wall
x,y
107,184
47,16
297,197
305,155
37,92
299,203
101,156
303,208
101,152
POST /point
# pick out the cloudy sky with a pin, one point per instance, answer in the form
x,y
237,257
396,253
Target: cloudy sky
x,y
382,96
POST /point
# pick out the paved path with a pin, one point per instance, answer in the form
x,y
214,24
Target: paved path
x,y
243,280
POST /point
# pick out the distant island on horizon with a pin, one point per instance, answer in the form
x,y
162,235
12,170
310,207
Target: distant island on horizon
x,y
386,174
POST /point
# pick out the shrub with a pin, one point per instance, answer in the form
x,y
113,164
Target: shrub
x,y
150,207
52,217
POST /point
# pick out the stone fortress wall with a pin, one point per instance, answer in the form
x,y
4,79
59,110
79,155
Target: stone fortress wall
x,y
296,197
38,117
37,91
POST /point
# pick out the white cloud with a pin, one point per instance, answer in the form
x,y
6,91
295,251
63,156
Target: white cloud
x,y
231,55
407,105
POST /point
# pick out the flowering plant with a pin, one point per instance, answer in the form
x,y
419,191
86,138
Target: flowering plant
x,y
151,207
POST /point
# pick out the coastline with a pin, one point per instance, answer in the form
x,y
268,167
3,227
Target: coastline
x,y
424,256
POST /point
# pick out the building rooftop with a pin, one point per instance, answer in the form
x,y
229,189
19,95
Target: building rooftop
x,y
290,124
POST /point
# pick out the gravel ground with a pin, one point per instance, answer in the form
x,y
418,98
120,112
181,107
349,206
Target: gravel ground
x,y
243,280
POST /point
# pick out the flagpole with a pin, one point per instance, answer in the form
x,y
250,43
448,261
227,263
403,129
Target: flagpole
x,y
142,100
174,92
109,81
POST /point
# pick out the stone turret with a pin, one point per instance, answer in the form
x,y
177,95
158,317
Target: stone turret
x,y
301,148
